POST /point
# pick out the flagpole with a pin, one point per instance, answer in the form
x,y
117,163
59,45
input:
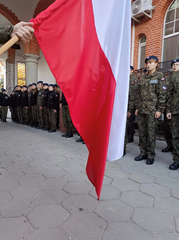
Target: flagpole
x,y
9,44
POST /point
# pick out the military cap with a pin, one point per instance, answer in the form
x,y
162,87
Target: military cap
x,y
3,90
51,85
174,61
151,57
34,84
39,82
45,84
30,85
24,86
131,67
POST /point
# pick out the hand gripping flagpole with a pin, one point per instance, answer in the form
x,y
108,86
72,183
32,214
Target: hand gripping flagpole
x,y
9,44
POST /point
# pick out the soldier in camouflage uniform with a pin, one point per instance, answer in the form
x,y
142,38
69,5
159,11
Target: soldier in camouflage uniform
x,y
12,107
57,90
66,118
173,112
168,125
33,104
151,97
130,129
25,104
4,105
29,104
39,106
45,107
1,96
53,105
18,104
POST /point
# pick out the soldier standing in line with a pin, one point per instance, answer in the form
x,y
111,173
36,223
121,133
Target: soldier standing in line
x,y
66,118
40,119
45,107
57,90
167,122
4,105
18,104
25,104
130,129
53,105
11,106
33,104
173,112
151,97
29,104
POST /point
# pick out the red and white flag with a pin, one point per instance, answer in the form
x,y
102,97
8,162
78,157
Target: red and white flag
x,y
86,44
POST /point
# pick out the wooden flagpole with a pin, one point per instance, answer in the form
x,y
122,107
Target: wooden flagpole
x,y
9,44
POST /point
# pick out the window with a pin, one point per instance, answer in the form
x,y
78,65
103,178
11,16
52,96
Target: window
x,y
2,74
142,49
171,33
21,73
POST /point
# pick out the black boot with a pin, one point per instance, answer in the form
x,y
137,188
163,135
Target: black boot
x,y
65,135
174,166
140,157
150,161
124,153
167,149
79,140
70,134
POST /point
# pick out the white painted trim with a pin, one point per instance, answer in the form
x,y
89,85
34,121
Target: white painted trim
x,y
139,54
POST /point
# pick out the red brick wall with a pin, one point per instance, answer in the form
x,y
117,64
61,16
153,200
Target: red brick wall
x,y
153,29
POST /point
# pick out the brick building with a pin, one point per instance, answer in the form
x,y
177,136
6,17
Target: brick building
x,y
158,35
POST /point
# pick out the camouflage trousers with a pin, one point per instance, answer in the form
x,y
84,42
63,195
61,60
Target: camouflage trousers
x,y
40,118
130,125
67,119
175,137
25,113
4,112
19,114
34,114
30,115
13,113
52,119
147,124
168,130
46,117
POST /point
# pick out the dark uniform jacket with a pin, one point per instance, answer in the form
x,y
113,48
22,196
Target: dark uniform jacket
x,y
151,93
33,98
63,100
11,100
5,100
1,96
53,100
173,94
17,95
45,97
24,99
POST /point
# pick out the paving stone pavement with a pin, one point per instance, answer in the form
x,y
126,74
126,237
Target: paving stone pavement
x,y
46,195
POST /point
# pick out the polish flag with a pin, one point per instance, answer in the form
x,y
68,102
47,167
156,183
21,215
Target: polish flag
x,y
86,44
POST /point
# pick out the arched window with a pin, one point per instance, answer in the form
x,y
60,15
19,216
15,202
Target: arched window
x,y
142,49
171,33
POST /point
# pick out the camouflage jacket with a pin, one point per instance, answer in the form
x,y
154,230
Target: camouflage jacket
x,y
40,97
173,94
151,93
5,34
132,93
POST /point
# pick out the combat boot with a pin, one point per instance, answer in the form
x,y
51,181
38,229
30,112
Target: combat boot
x,y
140,157
167,149
70,134
174,166
65,135
150,161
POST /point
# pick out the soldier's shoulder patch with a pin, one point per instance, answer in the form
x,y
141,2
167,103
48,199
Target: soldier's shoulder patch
x,y
154,81
132,83
163,79
136,81
164,87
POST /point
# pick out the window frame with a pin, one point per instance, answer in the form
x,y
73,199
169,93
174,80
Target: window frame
x,y
18,79
140,47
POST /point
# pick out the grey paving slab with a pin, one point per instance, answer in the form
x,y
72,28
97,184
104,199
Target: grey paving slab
x,y
114,211
82,226
137,199
80,203
14,228
44,175
125,231
107,193
153,220
47,234
155,190
167,236
168,205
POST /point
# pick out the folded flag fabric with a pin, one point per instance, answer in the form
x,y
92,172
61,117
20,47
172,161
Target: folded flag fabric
x,y
86,44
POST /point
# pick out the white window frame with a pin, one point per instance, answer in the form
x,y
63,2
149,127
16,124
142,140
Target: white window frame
x,y
170,35
140,46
